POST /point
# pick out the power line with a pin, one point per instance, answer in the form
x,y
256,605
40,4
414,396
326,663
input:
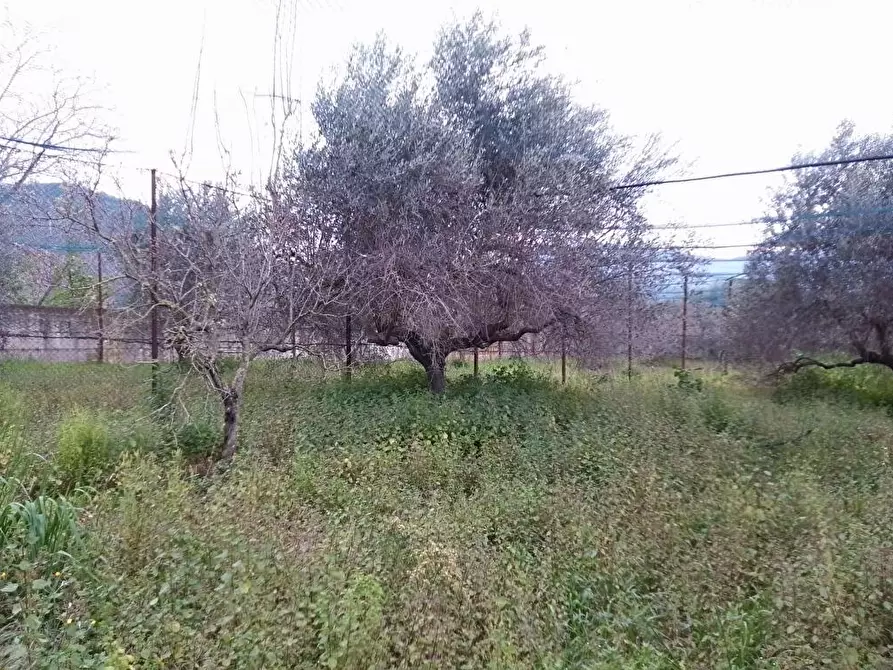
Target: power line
x,y
56,147
689,226
669,226
213,186
691,247
748,173
778,219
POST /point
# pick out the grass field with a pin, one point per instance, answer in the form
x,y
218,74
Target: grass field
x,y
671,522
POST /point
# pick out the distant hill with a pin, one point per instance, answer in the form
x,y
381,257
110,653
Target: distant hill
x,y
27,221
35,243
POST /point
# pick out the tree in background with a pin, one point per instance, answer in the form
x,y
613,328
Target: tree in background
x,y
71,285
42,115
823,277
39,109
471,197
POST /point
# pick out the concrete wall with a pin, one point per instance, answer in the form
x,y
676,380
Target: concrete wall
x,y
70,335
63,334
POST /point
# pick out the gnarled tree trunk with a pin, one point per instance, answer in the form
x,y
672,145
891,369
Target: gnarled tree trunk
x,y
432,356
436,374
231,396
231,406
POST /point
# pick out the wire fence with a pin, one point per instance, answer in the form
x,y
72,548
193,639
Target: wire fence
x,y
678,333
687,319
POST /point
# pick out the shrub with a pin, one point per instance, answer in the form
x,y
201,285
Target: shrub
x,y
865,385
197,439
518,374
84,454
718,414
687,381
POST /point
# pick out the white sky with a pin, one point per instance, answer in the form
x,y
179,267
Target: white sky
x,y
733,84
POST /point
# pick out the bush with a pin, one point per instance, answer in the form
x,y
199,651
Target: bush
x,y
197,439
687,381
84,454
865,385
718,414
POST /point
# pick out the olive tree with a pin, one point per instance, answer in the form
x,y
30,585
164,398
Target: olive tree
x,y
822,279
472,196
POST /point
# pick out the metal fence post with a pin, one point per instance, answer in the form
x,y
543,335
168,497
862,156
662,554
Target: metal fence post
x,y
100,346
684,319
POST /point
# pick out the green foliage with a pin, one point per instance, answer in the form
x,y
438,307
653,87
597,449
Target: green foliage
x,y
85,453
866,385
510,523
351,628
200,438
71,284
42,526
37,538
687,381
719,414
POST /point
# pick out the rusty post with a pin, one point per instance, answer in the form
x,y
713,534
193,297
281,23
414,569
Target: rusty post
x,y
153,260
684,319
563,358
726,312
100,347
348,348
629,324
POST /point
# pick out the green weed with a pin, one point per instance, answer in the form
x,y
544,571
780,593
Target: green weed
x,y
84,453
511,523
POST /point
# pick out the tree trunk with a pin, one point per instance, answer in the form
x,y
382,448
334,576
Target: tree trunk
x,y
231,406
435,374
433,359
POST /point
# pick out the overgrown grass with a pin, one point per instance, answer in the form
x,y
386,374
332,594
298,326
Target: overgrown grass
x,y
512,523
867,385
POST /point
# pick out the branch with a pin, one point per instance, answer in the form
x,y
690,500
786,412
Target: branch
x,y
801,362
485,337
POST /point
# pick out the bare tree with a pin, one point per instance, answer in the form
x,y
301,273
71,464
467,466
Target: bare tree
x,y
231,273
223,266
822,279
43,114
46,119
471,196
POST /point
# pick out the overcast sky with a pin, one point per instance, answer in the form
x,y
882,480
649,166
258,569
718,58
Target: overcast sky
x,y
732,84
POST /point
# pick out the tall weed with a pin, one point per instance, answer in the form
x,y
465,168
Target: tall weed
x,y
85,454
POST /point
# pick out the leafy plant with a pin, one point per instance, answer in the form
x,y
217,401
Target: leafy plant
x,y
199,438
687,381
43,526
36,540
84,453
